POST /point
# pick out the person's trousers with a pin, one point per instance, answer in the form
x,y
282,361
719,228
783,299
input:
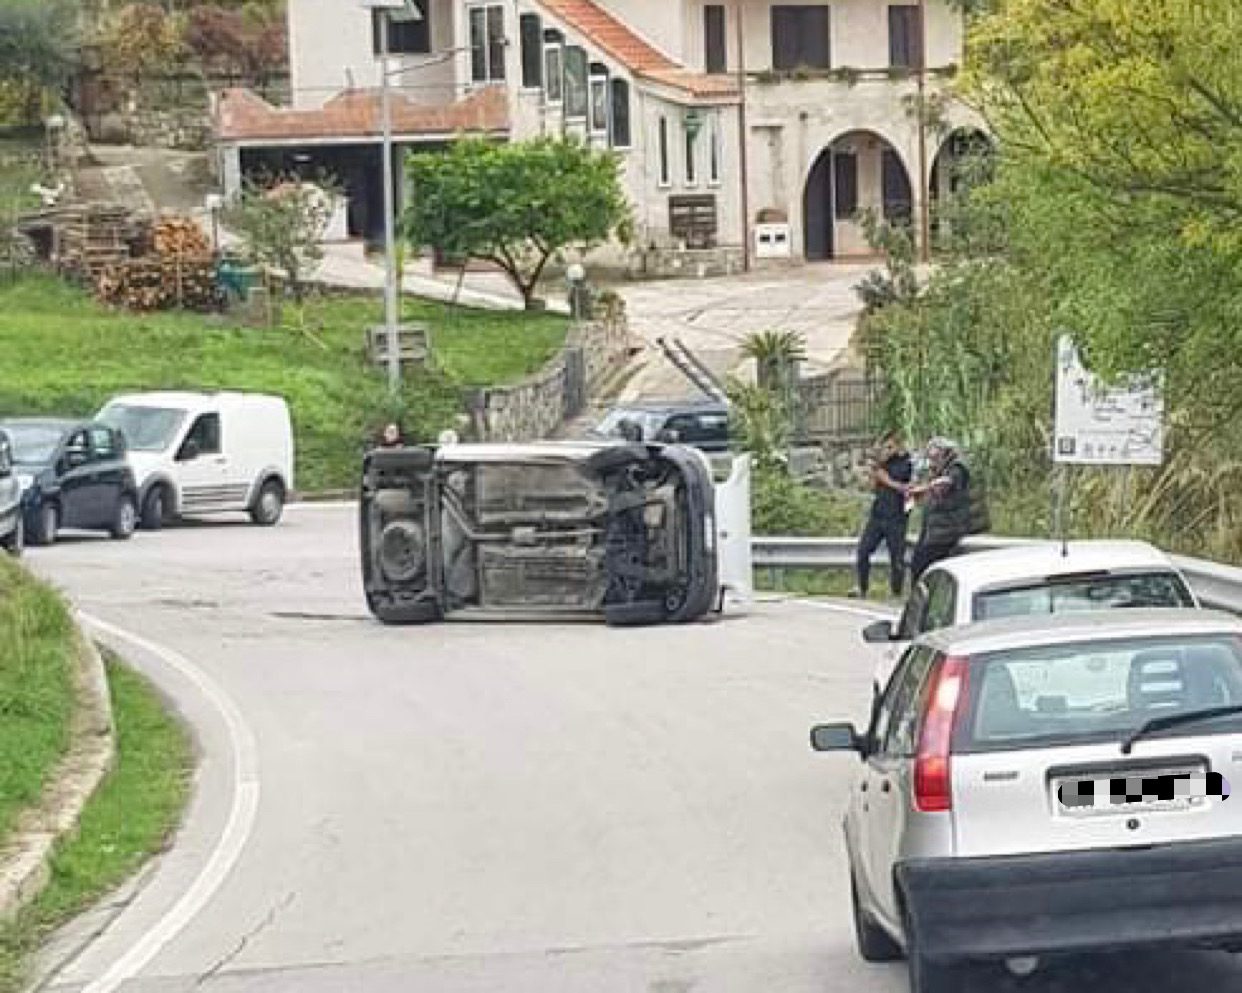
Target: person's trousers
x,y
892,533
927,554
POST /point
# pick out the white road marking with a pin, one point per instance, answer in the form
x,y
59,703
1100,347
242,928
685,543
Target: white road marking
x,y
237,829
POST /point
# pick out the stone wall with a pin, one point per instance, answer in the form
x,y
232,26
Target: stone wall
x,y
536,407
669,263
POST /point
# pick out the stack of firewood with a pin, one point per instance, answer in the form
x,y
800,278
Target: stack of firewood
x,y
180,274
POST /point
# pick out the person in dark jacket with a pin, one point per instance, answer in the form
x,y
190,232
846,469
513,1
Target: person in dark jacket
x,y
946,507
391,437
891,472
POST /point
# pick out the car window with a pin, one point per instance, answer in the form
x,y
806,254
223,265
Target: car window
x,y
900,733
686,426
1163,588
908,626
205,433
78,444
941,602
886,705
1098,690
103,447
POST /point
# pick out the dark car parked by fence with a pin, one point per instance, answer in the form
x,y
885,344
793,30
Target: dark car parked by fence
x,y
73,474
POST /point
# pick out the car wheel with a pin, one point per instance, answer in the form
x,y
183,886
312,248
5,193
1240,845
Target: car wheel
x,y
155,509
269,505
125,521
47,523
402,552
632,615
926,975
15,543
405,611
874,943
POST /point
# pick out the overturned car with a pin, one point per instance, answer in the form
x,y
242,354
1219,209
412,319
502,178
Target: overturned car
x,y
626,532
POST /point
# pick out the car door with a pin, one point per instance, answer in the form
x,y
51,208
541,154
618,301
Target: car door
x,y
107,474
201,466
79,489
891,771
909,626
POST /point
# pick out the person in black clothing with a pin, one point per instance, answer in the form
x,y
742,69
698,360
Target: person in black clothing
x,y
891,473
391,437
946,507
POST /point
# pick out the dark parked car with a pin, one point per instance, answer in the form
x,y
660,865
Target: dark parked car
x,y
625,533
73,474
11,525
702,424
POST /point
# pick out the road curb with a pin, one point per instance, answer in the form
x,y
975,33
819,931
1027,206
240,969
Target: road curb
x,y
25,863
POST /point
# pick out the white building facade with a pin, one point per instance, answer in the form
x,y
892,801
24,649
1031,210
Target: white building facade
x,y
746,133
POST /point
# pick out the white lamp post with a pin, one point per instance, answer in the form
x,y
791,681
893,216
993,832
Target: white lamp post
x,y
575,275
385,9
214,203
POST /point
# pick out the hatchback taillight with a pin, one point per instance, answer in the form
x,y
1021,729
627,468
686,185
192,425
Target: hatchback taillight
x,y
932,777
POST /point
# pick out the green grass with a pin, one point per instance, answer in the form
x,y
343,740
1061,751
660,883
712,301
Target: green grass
x,y
826,582
61,353
131,817
36,688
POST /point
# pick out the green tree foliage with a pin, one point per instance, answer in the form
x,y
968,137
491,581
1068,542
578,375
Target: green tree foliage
x,y
515,204
141,38
37,50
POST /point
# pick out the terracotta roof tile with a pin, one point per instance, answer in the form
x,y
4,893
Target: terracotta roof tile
x,y
620,42
241,115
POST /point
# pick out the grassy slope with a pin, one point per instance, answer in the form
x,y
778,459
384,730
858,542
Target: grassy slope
x,y
62,354
36,688
130,818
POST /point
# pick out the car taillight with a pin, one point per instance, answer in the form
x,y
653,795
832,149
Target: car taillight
x,y
932,778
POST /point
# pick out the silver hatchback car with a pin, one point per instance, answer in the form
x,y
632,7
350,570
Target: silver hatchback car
x,y
1041,786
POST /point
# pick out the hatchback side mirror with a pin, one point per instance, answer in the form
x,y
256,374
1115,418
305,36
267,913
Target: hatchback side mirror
x,y
879,632
75,457
835,738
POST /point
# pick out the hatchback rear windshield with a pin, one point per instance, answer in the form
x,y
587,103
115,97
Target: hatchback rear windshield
x,y
1104,592
33,444
1097,691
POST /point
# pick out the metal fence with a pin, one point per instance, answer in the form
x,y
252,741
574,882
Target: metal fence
x,y
1218,586
838,406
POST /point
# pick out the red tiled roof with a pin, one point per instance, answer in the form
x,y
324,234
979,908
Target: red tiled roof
x,y
618,41
241,115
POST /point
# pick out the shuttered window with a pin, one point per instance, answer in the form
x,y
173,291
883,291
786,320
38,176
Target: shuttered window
x,y
800,38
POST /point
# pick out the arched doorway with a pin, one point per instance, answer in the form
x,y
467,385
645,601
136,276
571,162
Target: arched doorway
x,y
859,173
964,159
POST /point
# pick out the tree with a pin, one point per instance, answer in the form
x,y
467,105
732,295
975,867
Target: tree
x,y
516,205
281,224
141,38
38,50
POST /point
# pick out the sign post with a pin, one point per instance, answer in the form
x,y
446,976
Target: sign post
x,y
1101,425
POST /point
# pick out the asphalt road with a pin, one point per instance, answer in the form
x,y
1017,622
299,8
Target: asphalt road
x,y
473,807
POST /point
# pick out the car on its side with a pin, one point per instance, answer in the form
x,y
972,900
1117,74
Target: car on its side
x,y
12,525
73,474
631,534
702,424
207,453
1036,579
1036,787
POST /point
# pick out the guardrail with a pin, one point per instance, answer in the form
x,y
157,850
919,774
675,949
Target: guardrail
x,y
1217,585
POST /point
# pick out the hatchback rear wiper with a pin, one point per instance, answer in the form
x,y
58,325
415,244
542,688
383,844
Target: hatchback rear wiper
x,y
1173,720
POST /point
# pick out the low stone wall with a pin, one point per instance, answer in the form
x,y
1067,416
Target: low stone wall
x,y
536,407
671,263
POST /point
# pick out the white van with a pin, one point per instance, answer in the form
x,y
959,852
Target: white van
x,y
206,453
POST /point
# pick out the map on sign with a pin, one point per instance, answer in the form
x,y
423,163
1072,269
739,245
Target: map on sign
x,y
1105,425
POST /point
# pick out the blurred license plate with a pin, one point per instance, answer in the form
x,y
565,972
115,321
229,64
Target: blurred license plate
x,y
1155,789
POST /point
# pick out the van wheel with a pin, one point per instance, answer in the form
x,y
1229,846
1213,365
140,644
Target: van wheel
x,y
15,543
155,509
405,611
633,615
269,505
47,523
125,520
874,943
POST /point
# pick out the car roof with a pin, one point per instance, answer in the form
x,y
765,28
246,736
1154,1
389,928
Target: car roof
x,y
673,406
1031,631
186,398
1044,559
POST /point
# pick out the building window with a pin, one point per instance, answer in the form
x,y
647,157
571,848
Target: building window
x,y
575,82
487,44
409,32
553,66
800,38
713,150
665,176
845,185
599,100
715,50
531,30
691,156
620,106
905,37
